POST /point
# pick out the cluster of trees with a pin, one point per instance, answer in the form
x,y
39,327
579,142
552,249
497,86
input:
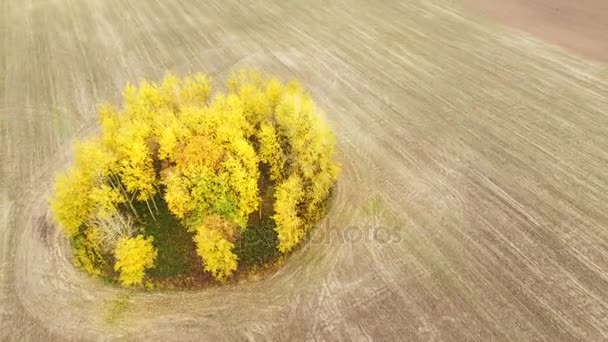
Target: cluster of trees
x,y
213,159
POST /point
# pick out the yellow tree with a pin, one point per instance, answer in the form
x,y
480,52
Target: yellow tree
x,y
325,171
241,167
196,90
136,164
225,119
289,226
169,93
141,103
213,245
170,132
211,178
133,257
318,190
270,151
311,145
259,94
178,193
217,164
74,201
70,202
193,187
273,91
297,122
109,118
212,195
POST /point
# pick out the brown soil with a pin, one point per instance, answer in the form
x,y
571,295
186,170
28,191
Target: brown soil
x,y
578,25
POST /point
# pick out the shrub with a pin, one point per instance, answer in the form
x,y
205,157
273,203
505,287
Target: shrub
x,y
87,252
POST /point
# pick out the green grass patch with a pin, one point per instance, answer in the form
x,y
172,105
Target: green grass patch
x,y
258,245
176,249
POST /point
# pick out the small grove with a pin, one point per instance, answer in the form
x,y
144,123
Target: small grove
x,y
231,179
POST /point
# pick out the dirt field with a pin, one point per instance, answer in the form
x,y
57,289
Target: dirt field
x,y
581,26
483,148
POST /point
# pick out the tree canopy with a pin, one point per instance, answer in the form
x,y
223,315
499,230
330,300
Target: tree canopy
x,y
217,163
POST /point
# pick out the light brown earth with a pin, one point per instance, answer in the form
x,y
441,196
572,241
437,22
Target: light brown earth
x,y
484,146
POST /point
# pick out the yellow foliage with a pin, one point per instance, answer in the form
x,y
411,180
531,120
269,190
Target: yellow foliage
x,y
177,194
200,154
244,185
290,228
244,77
213,195
86,250
135,159
168,136
221,225
70,203
77,195
274,90
110,122
204,153
133,257
318,190
311,144
169,92
271,152
242,168
219,178
85,261
170,132
130,97
196,90
216,252
94,150
93,238
225,119
104,199
219,165
258,94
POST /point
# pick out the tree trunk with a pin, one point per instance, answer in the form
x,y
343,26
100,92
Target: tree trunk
x,y
124,192
154,203
150,210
